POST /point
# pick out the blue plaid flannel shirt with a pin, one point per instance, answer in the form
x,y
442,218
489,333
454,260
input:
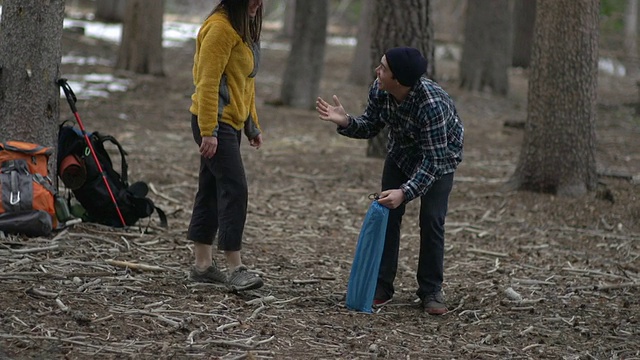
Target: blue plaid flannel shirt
x,y
425,133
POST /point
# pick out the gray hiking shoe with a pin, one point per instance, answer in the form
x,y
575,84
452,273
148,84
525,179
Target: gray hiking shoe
x,y
211,275
434,304
241,279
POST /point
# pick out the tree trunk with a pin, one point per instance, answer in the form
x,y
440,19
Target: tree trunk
x,y
631,38
111,10
558,151
486,53
30,37
288,21
447,19
524,17
362,71
141,43
395,25
301,79
341,9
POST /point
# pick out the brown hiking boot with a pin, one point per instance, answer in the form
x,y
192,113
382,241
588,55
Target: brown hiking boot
x,y
434,304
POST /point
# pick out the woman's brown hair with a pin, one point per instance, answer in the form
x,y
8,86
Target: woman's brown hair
x,y
237,10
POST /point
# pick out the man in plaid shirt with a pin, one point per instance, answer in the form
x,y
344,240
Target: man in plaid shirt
x,y
424,150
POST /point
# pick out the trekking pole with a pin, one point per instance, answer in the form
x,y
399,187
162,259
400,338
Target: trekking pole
x,y
71,99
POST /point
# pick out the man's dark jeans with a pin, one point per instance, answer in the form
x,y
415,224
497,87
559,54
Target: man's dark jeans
x,y
433,210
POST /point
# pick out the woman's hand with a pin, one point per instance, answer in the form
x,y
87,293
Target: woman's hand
x,y
256,142
208,146
335,114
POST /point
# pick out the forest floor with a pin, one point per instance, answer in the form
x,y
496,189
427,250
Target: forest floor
x,y
573,261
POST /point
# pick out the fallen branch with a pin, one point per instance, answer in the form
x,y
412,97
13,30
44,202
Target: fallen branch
x,y
166,197
228,326
607,287
34,250
128,351
184,171
475,348
85,286
487,252
194,333
256,312
25,274
592,272
531,346
599,234
41,293
261,300
615,174
305,282
134,266
249,344
522,308
532,282
513,295
61,305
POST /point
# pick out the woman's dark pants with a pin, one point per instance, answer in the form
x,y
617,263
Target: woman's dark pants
x,y
221,201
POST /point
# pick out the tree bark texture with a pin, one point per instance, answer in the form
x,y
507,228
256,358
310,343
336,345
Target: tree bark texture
x,y
400,23
631,38
524,17
448,20
486,52
288,21
558,151
111,10
362,70
301,79
141,43
30,37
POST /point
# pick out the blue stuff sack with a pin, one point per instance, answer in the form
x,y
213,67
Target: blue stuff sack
x,y
366,261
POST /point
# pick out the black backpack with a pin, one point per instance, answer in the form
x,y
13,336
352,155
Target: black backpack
x,y
78,171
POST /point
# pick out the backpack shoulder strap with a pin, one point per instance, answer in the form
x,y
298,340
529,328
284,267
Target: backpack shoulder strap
x,y
162,216
123,160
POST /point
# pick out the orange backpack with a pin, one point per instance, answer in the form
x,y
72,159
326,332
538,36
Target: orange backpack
x,y
26,191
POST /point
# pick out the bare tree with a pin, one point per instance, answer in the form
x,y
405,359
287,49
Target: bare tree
x,y
631,38
288,20
394,25
447,15
111,10
30,38
558,151
486,54
141,43
524,17
303,72
361,67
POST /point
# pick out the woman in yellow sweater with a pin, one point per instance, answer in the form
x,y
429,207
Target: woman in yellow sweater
x,y
223,105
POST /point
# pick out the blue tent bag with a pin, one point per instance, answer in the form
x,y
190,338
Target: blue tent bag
x,y
366,261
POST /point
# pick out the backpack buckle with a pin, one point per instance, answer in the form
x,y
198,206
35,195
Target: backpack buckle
x,y
14,195
14,198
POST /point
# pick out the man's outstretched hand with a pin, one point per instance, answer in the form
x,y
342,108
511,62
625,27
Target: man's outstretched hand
x,y
335,114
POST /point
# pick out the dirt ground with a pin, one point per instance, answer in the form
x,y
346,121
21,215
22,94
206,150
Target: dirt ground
x,y
573,262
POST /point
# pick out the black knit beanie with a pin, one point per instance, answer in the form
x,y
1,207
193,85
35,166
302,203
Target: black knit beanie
x,y
407,64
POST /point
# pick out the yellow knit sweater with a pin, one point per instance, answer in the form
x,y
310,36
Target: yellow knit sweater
x,y
223,74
